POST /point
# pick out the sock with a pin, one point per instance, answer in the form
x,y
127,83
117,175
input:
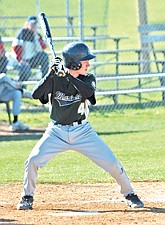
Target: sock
x,y
15,119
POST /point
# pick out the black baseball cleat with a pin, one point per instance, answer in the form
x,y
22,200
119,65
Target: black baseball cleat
x,y
133,201
25,203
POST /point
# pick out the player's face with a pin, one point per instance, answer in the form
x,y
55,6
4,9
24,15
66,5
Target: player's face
x,y
33,26
84,68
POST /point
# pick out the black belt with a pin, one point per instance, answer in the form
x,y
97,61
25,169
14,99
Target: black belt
x,y
75,123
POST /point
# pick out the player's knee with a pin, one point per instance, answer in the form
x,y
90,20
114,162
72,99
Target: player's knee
x,y
17,94
115,169
31,162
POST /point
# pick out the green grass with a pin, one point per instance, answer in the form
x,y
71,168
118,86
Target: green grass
x,y
135,136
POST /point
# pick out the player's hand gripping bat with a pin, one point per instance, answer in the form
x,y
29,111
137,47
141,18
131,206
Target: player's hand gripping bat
x,y
47,33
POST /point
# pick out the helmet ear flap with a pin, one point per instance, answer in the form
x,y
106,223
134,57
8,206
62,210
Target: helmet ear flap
x,y
75,66
75,52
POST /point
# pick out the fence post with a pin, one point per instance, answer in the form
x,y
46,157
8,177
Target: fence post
x,y
142,10
81,20
139,80
162,79
37,7
115,98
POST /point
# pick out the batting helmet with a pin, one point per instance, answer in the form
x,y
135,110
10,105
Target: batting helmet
x,y
75,52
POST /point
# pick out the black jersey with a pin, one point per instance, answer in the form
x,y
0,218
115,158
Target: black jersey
x,y
67,96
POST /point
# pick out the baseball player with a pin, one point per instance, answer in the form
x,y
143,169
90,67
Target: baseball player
x,y
69,129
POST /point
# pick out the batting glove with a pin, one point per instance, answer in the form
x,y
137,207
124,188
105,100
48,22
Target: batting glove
x,y
55,64
62,72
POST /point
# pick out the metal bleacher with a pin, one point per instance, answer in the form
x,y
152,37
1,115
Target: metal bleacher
x,y
117,77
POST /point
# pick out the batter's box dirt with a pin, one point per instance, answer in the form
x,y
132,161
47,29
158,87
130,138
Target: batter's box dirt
x,y
99,204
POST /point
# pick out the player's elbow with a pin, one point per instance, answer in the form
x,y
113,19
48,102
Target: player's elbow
x,y
35,95
92,99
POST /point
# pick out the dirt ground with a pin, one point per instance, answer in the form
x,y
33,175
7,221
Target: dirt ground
x,y
99,204
6,134
74,204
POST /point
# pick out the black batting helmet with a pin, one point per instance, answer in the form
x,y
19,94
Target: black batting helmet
x,y
75,52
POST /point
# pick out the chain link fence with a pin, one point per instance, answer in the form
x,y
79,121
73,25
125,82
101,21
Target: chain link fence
x,y
129,72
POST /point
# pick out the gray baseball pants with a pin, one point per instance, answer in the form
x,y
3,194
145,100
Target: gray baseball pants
x,y
81,138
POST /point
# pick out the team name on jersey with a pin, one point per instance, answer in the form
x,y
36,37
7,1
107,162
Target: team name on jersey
x,y
64,99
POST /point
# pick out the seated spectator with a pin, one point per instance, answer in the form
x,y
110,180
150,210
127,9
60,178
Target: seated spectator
x,y
12,90
28,50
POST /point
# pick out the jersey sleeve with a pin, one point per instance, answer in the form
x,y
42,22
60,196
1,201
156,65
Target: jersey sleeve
x,y
18,52
42,89
3,58
41,41
6,81
86,85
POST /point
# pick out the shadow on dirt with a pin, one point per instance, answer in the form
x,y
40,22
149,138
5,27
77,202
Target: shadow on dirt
x,y
32,134
7,221
137,210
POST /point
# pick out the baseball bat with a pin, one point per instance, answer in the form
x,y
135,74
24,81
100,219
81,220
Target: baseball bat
x,y
47,33
46,30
